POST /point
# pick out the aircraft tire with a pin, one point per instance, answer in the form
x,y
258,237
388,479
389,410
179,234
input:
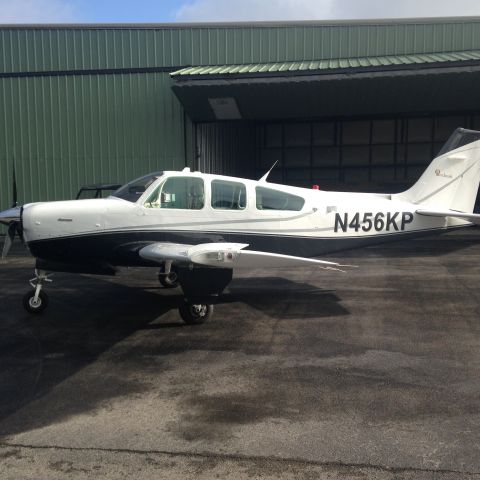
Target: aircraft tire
x,y
168,281
193,313
32,307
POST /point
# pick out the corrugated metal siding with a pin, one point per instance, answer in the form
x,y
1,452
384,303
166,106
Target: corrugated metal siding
x,y
227,148
66,131
52,49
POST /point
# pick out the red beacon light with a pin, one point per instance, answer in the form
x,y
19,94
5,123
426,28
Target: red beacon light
x,y
315,187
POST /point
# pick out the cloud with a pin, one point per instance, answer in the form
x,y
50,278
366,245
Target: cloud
x,y
244,10
38,11
406,8
247,10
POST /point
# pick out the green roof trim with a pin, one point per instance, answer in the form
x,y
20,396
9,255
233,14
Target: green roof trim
x,y
323,66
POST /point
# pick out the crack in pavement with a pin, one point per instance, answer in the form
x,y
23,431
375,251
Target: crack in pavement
x,y
238,457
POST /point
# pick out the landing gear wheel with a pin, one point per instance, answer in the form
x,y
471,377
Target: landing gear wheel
x,y
35,306
168,281
195,313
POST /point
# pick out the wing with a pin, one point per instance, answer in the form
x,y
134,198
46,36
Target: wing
x,y
470,217
227,255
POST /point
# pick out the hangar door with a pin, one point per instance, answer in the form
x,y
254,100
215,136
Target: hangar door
x,y
386,154
364,154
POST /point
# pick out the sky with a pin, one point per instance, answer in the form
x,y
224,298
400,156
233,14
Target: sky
x,y
159,11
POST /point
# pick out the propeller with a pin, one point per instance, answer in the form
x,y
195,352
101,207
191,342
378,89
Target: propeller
x,y
9,239
12,218
14,189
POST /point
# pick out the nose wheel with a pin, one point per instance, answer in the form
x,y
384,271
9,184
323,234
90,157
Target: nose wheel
x,y
34,303
36,300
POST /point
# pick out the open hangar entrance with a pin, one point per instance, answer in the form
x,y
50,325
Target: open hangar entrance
x,y
383,154
369,124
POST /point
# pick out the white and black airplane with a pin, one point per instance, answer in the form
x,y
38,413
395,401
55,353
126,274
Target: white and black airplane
x,y
197,228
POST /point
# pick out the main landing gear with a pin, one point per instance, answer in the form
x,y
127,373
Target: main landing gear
x,y
201,287
193,309
36,300
195,313
167,276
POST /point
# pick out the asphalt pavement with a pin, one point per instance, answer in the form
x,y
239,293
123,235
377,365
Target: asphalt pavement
x,y
373,373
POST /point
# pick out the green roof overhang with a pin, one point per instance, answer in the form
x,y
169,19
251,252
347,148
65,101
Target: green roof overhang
x,y
371,85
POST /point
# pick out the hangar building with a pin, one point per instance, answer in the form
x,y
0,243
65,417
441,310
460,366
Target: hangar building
x,y
360,105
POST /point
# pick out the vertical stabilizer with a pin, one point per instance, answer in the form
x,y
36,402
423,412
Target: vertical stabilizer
x,y
451,180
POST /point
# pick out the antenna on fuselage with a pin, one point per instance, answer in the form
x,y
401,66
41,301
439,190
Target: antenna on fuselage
x,y
264,178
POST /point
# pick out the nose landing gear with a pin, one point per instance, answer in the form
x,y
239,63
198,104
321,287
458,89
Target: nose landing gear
x,y
36,300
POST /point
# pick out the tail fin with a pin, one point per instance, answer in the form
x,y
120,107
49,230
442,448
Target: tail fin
x,y
451,181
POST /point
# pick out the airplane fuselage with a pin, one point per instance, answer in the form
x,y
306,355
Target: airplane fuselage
x,y
197,229
87,233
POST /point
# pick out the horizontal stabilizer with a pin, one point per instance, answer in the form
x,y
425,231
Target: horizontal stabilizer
x,y
470,217
227,255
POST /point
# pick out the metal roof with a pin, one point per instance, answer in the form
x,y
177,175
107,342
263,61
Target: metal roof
x,y
348,93
328,65
235,24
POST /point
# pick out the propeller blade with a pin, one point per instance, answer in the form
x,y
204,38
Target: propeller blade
x,y
12,218
19,227
12,228
15,196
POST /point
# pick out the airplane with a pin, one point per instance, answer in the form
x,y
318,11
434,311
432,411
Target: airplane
x,y
198,228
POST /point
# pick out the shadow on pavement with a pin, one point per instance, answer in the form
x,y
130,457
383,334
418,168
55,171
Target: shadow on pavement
x,y
282,298
427,245
85,318
89,317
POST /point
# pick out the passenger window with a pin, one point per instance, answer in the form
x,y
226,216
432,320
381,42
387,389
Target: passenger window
x,y
268,199
228,195
178,192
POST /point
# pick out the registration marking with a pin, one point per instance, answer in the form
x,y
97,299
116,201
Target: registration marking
x,y
390,221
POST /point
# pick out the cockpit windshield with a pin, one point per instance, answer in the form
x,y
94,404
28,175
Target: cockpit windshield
x,y
133,190
459,138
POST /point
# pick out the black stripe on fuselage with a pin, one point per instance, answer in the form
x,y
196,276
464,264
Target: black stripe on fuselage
x,y
121,247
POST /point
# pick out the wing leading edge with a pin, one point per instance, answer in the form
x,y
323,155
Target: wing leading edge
x,y
227,255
